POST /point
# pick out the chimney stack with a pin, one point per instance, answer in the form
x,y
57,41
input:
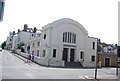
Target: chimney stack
x,y
34,31
18,30
13,32
25,27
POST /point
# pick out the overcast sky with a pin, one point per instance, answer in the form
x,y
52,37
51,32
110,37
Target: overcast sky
x,y
99,17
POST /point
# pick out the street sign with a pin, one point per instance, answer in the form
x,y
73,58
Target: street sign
x,y
118,60
118,54
1,9
118,51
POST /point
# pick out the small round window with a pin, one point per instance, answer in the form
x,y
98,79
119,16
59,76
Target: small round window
x,y
44,36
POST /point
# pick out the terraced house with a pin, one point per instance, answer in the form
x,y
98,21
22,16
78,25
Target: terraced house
x,y
21,36
64,42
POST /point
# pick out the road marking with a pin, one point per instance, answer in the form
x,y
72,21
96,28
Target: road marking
x,y
90,78
68,69
112,68
81,77
86,77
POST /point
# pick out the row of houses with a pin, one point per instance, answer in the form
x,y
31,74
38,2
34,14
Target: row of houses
x,y
21,36
64,42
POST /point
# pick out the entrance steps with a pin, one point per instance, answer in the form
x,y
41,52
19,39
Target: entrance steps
x,y
73,64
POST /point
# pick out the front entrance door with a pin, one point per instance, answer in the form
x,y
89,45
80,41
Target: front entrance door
x,y
72,53
107,62
65,54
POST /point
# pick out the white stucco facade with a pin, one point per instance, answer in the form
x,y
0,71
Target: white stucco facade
x,y
23,36
14,42
62,41
9,41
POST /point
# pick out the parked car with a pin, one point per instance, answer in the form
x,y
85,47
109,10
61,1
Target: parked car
x,y
0,49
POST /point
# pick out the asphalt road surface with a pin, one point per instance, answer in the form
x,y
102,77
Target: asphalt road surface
x,y
15,68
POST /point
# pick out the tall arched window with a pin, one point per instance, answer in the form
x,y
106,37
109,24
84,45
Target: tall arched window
x,y
69,37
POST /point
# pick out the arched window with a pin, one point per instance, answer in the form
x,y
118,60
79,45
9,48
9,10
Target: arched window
x,y
69,37
44,36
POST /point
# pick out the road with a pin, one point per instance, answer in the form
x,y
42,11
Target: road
x,y
15,68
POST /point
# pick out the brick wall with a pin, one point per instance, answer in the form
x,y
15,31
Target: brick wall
x,y
101,57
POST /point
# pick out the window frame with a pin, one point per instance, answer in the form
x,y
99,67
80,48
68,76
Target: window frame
x,y
81,55
44,53
54,53
38,43
93,58
93,45
33,45
33,52
38,53
69,37
32,35
44,36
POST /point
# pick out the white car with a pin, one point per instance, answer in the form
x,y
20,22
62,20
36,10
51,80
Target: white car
x,y
0,49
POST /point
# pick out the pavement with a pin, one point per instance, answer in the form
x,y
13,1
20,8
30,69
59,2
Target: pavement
x,y
15,67
53,80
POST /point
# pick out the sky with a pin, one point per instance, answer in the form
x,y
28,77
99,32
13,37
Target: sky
x,y
98,17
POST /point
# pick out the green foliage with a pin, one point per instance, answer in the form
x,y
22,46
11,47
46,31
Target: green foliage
x,y
3,45
20,45
100,48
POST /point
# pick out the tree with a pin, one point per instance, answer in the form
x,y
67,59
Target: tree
x,y
3,45
20,46
100,48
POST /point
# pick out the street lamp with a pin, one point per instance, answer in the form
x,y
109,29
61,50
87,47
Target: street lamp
x,y
118,59
96,60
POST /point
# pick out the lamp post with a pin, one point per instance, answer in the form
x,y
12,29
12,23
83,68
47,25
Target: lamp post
x,y
118,59
96,60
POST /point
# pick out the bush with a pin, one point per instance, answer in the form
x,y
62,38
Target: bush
x,y
20,46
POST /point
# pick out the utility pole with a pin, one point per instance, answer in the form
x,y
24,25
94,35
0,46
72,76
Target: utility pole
x,y
117,70
118,47
118,59
96,60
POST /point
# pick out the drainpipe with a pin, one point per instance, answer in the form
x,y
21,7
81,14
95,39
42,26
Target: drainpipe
x,y
49,48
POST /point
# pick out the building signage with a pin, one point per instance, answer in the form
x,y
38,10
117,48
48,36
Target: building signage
x,y
118,54
69,45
